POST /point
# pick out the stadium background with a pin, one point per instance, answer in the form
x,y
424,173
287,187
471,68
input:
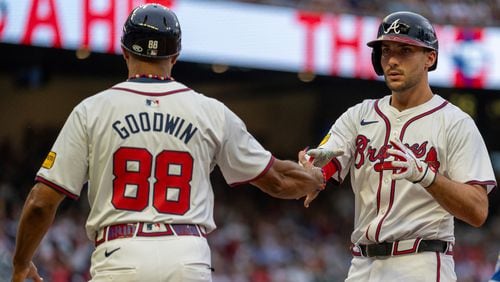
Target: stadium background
x,y
258,238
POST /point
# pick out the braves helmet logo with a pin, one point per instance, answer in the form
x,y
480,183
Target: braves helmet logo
x,y
395,25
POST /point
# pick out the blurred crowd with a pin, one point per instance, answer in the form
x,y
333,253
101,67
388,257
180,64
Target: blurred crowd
x,y
259,239
456,12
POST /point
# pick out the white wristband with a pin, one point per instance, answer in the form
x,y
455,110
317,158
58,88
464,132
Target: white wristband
x,y
428,178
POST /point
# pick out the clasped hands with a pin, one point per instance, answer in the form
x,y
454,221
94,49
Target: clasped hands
x,y
404,166
313,160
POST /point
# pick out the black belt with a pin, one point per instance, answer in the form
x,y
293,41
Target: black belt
x,y
389,248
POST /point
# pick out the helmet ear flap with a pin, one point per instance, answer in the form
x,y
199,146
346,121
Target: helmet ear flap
x,y
376,56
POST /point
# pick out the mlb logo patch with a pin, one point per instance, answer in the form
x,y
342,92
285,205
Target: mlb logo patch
x,y
155,103
155,227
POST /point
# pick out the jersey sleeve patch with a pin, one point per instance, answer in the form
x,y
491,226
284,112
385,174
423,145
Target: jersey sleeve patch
x,y
49,160
325,139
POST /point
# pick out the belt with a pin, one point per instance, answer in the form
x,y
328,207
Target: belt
x,y
144,229
402,248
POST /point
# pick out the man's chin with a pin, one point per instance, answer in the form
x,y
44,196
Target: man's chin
x,y
395,86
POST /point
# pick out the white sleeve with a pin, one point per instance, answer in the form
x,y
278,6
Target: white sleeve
x,y
241,157
468,158
66,166
342,135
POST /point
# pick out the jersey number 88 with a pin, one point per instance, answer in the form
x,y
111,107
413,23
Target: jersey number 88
x,y
164,180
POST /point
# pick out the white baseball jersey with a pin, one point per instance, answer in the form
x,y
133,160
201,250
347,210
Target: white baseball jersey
x,y
438,133
146,150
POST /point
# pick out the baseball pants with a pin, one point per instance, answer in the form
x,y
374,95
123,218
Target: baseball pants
x,y
152,259
418,267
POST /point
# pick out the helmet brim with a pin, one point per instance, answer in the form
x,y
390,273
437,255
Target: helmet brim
x,y
398,38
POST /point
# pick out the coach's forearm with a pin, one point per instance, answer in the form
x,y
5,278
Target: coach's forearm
x,y
466,202
288,180
37,216
296,182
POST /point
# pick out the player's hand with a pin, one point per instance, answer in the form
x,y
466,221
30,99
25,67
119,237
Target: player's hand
x,y
321,157
407,166
28,272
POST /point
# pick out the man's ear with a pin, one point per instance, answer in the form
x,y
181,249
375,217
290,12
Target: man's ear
x,y
432,57
173,60
126,54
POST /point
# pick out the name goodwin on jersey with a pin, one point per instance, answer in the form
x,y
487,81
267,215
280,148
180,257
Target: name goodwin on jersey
x,y
157,122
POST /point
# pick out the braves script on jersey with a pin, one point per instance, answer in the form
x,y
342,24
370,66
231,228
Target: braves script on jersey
x,y
152,146
437,132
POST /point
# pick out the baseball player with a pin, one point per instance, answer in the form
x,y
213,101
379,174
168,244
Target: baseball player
x,y
415,161
146,148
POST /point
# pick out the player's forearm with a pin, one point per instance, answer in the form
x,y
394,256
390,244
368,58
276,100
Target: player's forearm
x,y
36,218
468,203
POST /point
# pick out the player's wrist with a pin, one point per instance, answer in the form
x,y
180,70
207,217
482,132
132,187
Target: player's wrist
x,y
428,177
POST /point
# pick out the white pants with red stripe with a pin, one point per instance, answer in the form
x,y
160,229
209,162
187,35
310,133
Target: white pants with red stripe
x,y
418,267
152,259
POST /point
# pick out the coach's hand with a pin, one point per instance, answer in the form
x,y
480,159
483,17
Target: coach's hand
x,y
407,166
321,157
310,197
318,172
30,271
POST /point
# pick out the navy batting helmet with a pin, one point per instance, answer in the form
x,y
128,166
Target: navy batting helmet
x,y
152,31
404,27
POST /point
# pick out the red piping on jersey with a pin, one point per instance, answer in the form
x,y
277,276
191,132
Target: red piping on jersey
x,y
482,183
366,233
391,202
271,161
405,126
438,267
56,187
393,183
151,93
381,174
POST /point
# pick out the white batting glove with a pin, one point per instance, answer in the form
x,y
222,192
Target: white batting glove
x,y
320,156
408,167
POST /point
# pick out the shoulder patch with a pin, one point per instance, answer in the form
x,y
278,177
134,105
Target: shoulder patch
x,y
49,160
325,139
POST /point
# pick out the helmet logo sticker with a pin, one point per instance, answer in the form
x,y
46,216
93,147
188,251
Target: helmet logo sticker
x,y
153,44
137,48
394,26
153,47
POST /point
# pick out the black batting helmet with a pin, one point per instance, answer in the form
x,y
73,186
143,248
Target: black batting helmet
x,y
152,31
404,27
